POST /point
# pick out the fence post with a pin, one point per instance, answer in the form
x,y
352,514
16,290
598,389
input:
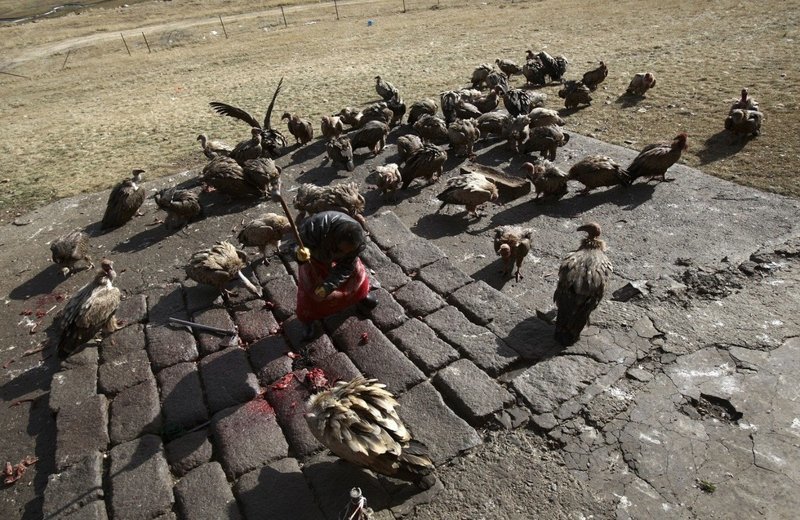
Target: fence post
x,y
66,58
145,42
337,9
284,18
223,27
126,44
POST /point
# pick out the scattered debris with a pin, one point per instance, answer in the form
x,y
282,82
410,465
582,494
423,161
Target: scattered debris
x,y
706,486
364,338
631,290
14,473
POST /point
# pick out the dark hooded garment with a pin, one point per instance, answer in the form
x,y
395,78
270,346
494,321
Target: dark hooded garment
x,y
322,233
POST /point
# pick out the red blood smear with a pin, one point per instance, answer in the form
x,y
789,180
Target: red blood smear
x,y
317,378
283,383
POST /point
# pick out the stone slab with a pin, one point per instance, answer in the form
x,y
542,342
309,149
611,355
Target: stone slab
x,y
415,254
434,424
531,337
269,358
376,357
480,345
332,478
273,269
188,452
287,396
93,511
74,488
420,343
124,372
132,309
182,401
390,277
82,429
72,386
165,302
551,382
121,343
418,299
482,303
141,485
373,257
134,411
339,367
227,378
471,392
255,322
282,293
388,314
444,277
83,358
387,230
277,490
207,342
168,345
201,296
247,436
204,494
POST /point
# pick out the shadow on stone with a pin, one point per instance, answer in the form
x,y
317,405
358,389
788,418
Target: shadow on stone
x,y
43,283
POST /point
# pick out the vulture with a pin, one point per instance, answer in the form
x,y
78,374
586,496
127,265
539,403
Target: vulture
x,y
533,70
249,148
388,178
466,110
67,250
350,116
267,229
595,171
376,112
517,131
544,117
479,75
431,128
497,78
744,122
331,126
489,102
263,173
553,67
301,129
271,140
575,93
398,108
407,144
340,152
227,176
641,83
582,279
594,77
548,180
518,101
421,108
91,309
493,123
449,99
372,135
545,140
462,134
124,201
509,67
212,148
385,89
655,159
343,197
470,190
424,162
512,244
744,103
181,206
357,420
219,265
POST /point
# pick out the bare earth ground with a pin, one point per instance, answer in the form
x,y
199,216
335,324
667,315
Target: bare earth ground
x,y
82,128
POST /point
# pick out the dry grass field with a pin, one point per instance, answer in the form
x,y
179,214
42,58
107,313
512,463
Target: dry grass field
x,y
80,125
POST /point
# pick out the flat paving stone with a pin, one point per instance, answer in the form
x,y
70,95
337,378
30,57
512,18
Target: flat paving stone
x,y
203,493
415,254
531,337
444,277
255,322
74,488
132,309
332,478
72,386
387,230
124,372
93,511
319,349
201,296
168,345
482,303
339,367
418,299
282,293
551,382
277,490
434,424
227,378
388,314
83,358
182,401
81,429
208,342
269,358
134,411
477,343
287,396
165,302
422,346
247,436
241,296
293,332
141,485
274,269
376,357
188,452
122,342
471,392
390,277
373,257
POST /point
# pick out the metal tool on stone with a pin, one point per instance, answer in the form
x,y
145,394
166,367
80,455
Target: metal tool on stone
x,y
232,334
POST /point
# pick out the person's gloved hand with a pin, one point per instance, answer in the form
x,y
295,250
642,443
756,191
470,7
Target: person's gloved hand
x,y
303,254
321,292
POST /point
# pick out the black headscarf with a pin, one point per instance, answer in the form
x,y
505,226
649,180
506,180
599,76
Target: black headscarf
x,y
322,233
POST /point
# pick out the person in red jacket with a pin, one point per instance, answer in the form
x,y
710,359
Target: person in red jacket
x,y
331,277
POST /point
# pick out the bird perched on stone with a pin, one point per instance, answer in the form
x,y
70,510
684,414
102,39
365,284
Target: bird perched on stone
x,y
493,124
479,75
181,206
384,89
744,122
582,279
69,249
512,244
462,134
546,140
424,162
594,77
267,229
357,420
89,311
406,144
229,177
124,201
595,171
548,180
470,190
641,83
377,112
340,152
518,101
388,178
431,128
544,117
218,265
420,108
331,126
489,102
350,116
343,197
249,148
212,148
371,135
517,130
300,128
655,159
